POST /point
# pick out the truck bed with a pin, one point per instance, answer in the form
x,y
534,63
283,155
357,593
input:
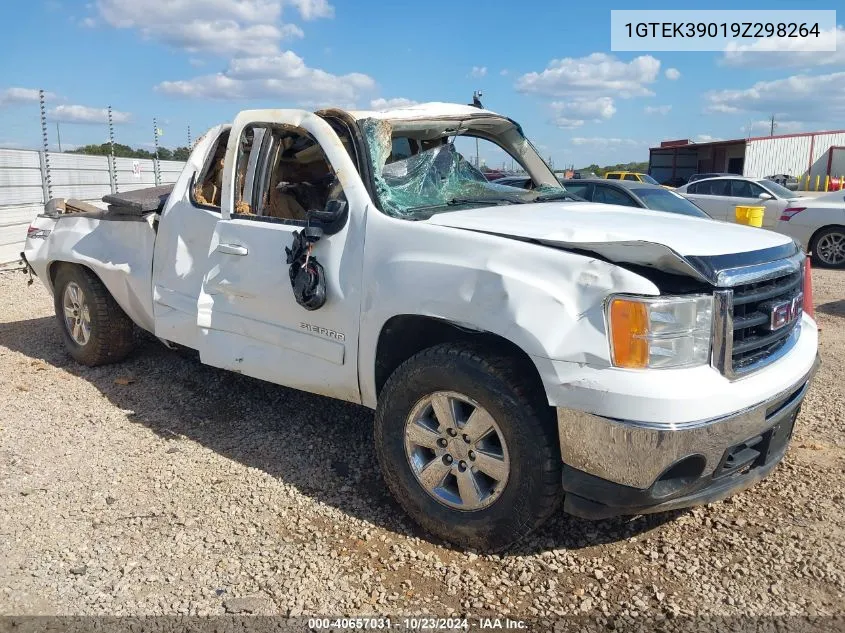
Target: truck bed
x,y
116,243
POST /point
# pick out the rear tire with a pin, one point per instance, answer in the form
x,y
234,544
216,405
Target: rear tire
x,y
488,515
828,247
96,330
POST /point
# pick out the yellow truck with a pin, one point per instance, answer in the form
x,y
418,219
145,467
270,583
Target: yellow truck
x,y
631,175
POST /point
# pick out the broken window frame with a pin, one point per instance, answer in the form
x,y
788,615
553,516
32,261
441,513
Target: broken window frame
x,y
264,157
199,176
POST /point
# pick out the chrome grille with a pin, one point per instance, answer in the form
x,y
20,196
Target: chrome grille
x,y
743,338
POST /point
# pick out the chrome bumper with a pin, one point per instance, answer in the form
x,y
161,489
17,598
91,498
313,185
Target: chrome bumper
x,y
637,454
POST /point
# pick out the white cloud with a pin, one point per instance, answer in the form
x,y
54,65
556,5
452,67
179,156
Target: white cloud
x,y
88,23
605,142
478,71
722,107
313,9
573,114
388,104
706,138
795,98
661,109
673,74
251,27
597,74
131,13
84,114
21,95
504,72
787,52
284,76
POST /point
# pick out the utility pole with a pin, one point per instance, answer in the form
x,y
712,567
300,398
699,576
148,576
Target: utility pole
x,y
772,131
59,136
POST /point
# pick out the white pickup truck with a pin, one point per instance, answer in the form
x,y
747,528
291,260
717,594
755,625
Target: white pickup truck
x,y
518,347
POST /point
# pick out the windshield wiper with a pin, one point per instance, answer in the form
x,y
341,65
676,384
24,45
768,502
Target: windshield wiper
x,y
456,201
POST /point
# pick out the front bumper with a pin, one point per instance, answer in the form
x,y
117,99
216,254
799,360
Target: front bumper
x,y
615,467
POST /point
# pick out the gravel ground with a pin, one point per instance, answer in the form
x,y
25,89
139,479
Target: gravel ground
x,y
160,486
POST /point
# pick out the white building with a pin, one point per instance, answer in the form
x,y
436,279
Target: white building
x,y
815,153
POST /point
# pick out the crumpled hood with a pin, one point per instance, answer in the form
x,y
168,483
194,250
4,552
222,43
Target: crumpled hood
x,y
588,223
674,243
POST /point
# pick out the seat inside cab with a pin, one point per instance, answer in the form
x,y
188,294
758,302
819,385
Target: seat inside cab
x,y
281,173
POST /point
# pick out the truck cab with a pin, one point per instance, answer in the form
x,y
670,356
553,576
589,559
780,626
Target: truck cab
x,y
520,347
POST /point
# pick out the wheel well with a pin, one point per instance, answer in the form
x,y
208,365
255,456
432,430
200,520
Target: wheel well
x,y
405,335
819,230
54,267
53,270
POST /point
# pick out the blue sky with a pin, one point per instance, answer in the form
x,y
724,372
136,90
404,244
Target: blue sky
x,y
546,64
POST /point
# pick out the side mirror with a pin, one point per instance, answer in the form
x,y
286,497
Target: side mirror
x,y
765,196
332,218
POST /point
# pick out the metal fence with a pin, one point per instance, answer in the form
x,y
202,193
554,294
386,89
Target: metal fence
x,y
26,183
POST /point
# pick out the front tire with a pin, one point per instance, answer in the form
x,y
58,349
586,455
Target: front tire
x,y
468,447
96,330
828,247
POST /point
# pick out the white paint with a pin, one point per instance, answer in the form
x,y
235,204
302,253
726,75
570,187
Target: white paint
x,y
181,251
421,111
819,212
724,207
463,267
785,155
584,222
119,252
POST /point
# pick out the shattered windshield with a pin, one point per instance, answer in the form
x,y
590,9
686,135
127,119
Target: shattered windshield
x,y
438,179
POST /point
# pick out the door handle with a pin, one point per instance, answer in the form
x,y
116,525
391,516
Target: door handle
x,y
232,249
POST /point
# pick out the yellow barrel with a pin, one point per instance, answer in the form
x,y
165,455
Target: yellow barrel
x,y
752,216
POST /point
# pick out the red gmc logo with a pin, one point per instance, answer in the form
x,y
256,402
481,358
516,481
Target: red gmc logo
x,y
783,313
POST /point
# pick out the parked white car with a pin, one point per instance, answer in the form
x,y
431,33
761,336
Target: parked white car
x,y
817,222
719,197
516,345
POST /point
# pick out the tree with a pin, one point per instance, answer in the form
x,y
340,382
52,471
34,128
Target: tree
x,y
640,168
124,151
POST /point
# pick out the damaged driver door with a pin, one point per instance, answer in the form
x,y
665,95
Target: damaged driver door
x,y
287,176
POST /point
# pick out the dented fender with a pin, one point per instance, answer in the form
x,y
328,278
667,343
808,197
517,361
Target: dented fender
x,y
547,301
120,253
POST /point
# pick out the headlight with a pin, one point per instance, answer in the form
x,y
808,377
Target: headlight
x,y
659,332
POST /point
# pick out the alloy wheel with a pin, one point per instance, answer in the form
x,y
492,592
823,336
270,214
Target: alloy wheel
x,y
456,451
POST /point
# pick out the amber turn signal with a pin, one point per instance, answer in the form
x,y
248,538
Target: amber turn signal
x,y
628,332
